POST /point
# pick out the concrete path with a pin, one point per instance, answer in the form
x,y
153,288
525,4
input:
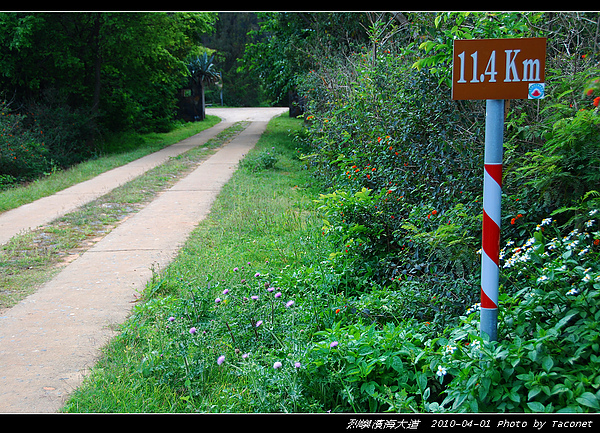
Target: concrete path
x,y
49,341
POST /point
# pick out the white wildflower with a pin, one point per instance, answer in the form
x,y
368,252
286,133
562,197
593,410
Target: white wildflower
x,y
590,223
472,308
449,348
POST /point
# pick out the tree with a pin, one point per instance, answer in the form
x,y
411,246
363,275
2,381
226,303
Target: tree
x,y
125,68
239,87
202,70
288,45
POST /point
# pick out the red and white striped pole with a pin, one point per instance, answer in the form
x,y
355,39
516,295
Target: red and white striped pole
x,y
492,196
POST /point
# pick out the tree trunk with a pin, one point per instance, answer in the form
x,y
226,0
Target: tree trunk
x,y
97,66
202,103
97,80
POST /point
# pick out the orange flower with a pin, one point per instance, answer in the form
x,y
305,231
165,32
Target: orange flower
x,y
596,101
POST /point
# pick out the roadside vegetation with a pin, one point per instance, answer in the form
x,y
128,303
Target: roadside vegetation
x,y
339,269
345,277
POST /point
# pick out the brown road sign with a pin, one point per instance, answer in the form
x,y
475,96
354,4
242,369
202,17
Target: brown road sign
x,y
499,68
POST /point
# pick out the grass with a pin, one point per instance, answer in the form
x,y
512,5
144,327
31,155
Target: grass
x,y
119,151
261,222
32,258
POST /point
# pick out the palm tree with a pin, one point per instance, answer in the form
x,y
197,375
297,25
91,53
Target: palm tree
x,y
202,70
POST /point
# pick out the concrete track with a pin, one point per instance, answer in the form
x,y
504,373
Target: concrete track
x,y
50,340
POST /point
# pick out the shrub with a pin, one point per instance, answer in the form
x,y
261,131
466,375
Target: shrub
x,y
546,358
264,160
70,134
23,151
567,165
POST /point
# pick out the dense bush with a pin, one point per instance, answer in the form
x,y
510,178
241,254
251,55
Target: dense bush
x,y
23,150
403,169
48,136
70,134
402,165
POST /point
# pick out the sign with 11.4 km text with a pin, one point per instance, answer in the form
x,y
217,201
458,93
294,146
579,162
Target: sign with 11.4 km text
x,y
495,70
499,68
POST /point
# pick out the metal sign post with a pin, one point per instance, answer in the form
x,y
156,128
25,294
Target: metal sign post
x,y
492,196
495,70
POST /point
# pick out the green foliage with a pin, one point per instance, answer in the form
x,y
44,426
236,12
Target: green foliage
x,y
404,172
567,165
264,160
202,68
282,48
402,163
238,88
23,151
88,75
546,359
69,133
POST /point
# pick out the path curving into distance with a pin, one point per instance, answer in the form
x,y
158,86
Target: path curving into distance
x,y
50,340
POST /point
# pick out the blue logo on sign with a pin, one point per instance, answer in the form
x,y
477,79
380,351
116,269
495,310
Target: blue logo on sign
x,y
536,90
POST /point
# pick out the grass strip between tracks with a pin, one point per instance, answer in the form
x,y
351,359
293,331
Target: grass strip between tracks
x,y
33,257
